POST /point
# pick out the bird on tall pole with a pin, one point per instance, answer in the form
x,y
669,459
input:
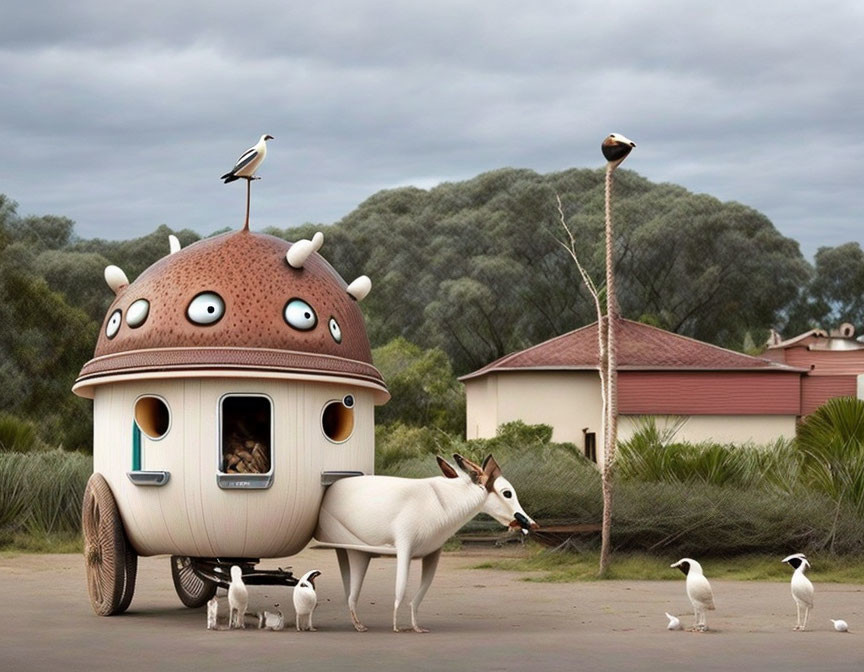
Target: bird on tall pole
x,y
245,168
615,149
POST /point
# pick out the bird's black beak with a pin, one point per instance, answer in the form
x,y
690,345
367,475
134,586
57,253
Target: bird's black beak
x,y
269,137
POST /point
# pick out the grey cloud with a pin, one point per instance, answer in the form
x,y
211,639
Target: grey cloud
x,y
123,119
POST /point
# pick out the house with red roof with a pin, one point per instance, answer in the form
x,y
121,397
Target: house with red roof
x,y
834,361
718,394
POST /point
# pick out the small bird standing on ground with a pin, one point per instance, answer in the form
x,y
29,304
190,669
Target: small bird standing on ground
x,y
213,613
840,625
246,166
698,590
802,588
305,599
267,620
674,622
238,599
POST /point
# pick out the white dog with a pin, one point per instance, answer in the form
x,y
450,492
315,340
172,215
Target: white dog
x,y
410,518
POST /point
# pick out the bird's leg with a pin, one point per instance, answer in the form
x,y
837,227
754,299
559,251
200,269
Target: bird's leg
x,y
695,620
403,564
248,198
430,564
358,563
311,627
297,622
798,619
806,614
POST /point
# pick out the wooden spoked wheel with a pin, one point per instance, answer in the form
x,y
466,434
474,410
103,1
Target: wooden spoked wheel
x,y
192,590
110,562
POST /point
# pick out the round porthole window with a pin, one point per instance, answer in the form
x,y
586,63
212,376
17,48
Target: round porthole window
x,y
152,416
337,420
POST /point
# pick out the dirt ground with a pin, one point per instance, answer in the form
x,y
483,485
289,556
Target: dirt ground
x,y
479,620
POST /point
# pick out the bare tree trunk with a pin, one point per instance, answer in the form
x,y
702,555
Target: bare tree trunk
x,y
611,386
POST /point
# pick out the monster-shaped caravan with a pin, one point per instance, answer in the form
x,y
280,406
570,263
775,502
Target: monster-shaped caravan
x,y
232,381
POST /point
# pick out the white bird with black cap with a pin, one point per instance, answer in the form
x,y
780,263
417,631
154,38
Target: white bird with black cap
x,y
802,588
698,591
245,168
305,600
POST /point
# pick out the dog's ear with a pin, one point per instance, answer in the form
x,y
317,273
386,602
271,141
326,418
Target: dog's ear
x,y
474,471
492,471
447,470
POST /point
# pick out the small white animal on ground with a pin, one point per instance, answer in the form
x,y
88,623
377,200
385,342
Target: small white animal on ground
x,y
367,516
213,613
305,600
238,599
267,620
802,589
674,622
840,625
698,591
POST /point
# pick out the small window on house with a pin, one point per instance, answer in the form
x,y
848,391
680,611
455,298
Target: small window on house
x,y
337,420
590,445
247,434
152,416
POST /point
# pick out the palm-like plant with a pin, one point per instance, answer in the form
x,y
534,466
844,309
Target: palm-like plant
x,y
831,451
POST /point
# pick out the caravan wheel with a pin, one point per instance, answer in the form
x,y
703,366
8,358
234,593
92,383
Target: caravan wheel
x,y
111,564
192,590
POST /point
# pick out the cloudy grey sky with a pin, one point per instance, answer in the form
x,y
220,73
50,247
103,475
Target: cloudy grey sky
x,y
122,115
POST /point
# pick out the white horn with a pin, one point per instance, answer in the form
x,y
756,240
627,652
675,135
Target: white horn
x,y
317,241
173,243
360,288
116,278
299,253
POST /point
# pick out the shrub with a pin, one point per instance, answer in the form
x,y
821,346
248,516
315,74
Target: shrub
x,y
41,492
17,435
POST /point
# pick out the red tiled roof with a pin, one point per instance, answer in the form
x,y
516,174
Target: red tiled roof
x,y
639,346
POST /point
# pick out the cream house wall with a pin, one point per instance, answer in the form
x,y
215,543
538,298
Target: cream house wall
x,y
567,400
570,401
721,428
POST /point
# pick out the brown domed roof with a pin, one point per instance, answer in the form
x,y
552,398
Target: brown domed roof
x,y
251,275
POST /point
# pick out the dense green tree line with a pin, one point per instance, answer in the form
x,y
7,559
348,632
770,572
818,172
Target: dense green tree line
x,y
462,274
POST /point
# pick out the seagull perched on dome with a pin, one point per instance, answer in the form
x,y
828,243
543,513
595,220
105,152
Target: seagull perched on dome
x,y
698,591
248,161
802,588
246,166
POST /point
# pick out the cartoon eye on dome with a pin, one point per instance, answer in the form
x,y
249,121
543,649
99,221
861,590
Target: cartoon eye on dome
x,y
114,324
137,313
206,308
335,330
300,315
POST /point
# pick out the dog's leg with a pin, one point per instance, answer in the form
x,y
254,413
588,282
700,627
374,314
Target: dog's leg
x,y
430,564
358,562
403,564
